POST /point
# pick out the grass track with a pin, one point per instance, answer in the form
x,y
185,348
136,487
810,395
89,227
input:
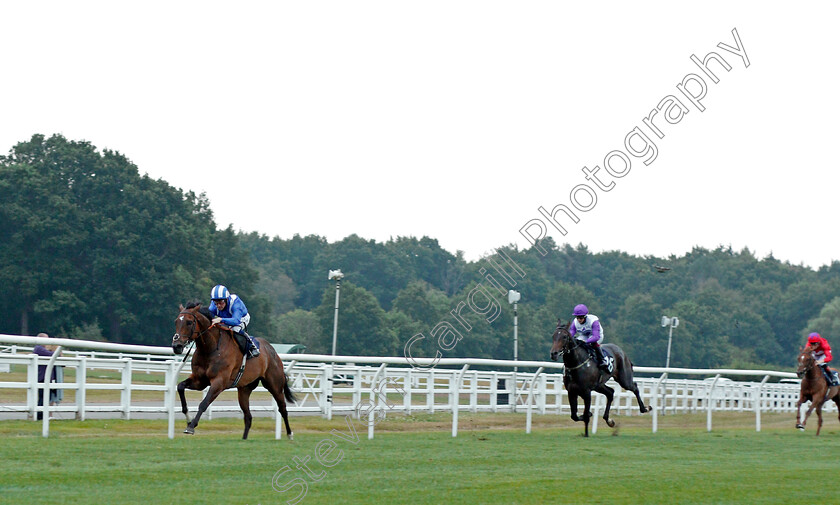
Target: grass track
x,y
415,460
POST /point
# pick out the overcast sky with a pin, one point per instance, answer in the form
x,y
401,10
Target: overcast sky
x,y
457,120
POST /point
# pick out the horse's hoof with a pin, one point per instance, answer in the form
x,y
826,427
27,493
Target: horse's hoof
x,y
189,431
291,436
800,427
610,423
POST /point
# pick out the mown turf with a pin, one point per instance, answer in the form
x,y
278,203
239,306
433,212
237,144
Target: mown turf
x,y
415,460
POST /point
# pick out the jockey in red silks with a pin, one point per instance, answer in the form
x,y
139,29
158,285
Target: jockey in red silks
x,y
822,354
586,327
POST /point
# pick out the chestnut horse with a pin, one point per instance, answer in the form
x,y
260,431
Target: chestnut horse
x,y
582,375
216,363
814,388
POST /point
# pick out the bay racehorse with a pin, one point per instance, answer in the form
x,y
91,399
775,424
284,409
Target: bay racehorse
x,y
582,375
814,388
216,363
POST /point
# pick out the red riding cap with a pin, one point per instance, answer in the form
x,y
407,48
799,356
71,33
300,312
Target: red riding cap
x,y
814,338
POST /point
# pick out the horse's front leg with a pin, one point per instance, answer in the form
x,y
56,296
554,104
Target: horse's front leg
x,y
819,418
587,414
573,399
608,392
188,383
799,425
217,385
814,404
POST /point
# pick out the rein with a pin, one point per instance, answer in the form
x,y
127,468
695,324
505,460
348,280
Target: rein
x,y
575,346
195,321
587,360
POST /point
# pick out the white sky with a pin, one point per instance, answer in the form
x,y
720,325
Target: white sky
x,y
451,119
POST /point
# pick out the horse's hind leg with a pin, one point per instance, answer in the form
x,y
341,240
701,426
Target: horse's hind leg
x,y
630,385
244,395
625,380
642,407
608,392
819,419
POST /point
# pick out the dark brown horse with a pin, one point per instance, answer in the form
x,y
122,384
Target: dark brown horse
x,y
814,388
582,375
216,363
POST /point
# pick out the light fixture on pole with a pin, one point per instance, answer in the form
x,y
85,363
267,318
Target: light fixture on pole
x,y
671,323
336,275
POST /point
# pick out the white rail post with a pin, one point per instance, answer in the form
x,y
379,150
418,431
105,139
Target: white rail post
x,y
757,403
45,430
711,403
530,397
407,388
125,396
32,388
654,402
171,385
454,399
81,387
374,399
327,391
596,403
430,388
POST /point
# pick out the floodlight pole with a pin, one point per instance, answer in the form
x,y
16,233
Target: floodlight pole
x,y
335,319
515,336
513,297
336,275
671,323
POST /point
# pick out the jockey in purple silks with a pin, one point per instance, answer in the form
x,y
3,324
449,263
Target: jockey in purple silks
x,y
586,327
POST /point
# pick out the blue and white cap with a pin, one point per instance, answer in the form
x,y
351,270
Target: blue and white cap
x,y
219,293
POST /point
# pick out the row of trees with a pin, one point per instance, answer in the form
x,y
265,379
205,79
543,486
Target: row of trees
x,y
735,310
90,248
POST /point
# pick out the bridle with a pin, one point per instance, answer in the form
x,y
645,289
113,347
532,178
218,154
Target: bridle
x,y
802,373
193,322
567,348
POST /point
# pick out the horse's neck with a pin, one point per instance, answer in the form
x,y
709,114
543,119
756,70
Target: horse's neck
x,y
576,355
209,341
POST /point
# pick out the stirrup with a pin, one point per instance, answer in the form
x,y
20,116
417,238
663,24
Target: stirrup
x,y
253,352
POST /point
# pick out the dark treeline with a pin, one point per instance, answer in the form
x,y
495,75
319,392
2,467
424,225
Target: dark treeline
x,y
89,248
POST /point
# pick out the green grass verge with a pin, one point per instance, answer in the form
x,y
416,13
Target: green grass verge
x,y
415,460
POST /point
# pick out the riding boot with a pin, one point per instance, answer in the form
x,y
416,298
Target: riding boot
x,y
830,375
241,341
252,350
602,360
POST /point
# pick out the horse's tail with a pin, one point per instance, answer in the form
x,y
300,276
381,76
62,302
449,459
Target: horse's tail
x,y
287,391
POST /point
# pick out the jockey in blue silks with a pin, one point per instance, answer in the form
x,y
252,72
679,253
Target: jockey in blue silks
x,y
230,310
586,327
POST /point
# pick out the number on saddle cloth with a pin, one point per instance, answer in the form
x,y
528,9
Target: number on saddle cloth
x,y
609,358
830,376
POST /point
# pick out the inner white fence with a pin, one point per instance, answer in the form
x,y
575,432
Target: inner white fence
x,y
368,388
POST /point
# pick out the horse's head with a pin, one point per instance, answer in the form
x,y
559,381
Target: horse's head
x,y
805,362
188,327
561,340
